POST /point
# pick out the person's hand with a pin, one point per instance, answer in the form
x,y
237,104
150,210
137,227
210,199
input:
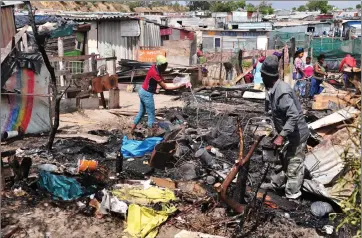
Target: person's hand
x,y
278,141
188,85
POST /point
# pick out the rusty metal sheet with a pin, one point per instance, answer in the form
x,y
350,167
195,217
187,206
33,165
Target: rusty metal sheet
x,y
97,85
110,82
8,29
150,55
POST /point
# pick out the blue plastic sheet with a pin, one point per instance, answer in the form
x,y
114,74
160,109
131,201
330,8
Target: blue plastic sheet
x,y
136,148
61,187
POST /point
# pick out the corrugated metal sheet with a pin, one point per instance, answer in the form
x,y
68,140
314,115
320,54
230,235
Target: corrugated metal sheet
x,y
219,14
8,29
11,3
30,110
150,34
109,38
210,22
186,35
95,16
175,35
254,25
239,16
186,21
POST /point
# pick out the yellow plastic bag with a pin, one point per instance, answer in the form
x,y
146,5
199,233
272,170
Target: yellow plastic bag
x,y
143,222
144,196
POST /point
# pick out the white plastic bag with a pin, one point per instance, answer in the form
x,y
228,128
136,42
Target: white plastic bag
x,y
179,80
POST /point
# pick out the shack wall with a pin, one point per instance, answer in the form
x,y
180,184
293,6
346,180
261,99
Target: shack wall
x,y
30,110
8,29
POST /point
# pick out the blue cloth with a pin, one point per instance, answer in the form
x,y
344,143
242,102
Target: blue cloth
x,y
345,79
229,75
315,87
297,76
61,187
257,76
300,87
147,104
136,148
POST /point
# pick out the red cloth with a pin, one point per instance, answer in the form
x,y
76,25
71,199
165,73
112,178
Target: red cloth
x,y
248,78
348,61
199,53
152,79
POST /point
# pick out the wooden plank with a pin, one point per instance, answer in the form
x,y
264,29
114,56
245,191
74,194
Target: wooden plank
x,y
339,116
107,58
341,100
84,75
62,72
95,138
69,58
7,50
238,78
113,99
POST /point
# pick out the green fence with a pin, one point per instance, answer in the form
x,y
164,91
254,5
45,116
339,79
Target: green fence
x,y
278,39
336,48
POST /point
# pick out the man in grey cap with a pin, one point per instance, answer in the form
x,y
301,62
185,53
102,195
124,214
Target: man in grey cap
x,y
290,124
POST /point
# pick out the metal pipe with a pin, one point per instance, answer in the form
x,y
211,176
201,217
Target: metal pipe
x,y
10,134
222,188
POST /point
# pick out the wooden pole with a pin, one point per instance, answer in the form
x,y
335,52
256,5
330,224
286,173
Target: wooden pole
x,y
221,41
50,68
94,69
25,42
61,63
114,63
199,75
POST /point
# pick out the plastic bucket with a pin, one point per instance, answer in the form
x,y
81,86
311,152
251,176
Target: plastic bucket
x,y
84,165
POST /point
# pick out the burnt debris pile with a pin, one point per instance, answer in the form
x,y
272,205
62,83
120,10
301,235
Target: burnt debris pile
x,y
203,171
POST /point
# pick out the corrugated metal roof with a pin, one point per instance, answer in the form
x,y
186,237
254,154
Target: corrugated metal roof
x,y
253,25
297,23
96,17
11,3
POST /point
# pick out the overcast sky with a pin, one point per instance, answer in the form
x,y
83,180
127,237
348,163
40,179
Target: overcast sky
x,y
290,4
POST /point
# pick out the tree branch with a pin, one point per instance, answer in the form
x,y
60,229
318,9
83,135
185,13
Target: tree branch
x,y
53,79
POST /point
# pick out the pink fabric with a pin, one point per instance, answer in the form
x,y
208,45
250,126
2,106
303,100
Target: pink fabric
x,y
298,64
308,70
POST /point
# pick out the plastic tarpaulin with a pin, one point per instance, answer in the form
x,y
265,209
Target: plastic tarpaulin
x,y
143,196
61,187
144,222
135,148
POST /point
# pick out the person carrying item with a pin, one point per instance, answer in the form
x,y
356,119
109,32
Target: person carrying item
x,y
148,89
347,61
298,70
291,126
258,81
318,76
